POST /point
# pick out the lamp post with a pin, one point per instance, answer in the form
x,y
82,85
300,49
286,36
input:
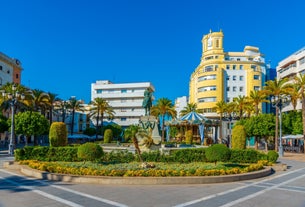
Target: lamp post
x,y
277,102
13,99
229,117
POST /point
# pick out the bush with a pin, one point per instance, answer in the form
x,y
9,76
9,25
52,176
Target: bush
x,y
217,152
238,137
189,155
246,156
272,156
58,135
108,135
89,152
188,137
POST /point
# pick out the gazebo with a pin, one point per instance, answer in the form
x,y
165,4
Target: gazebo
x,y
194,121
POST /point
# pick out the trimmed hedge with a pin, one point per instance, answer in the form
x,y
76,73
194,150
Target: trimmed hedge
x,y
218,152
90,152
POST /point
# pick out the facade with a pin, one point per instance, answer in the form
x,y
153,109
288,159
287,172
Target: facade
x,y
289,67
10,70
180,104
224,75
125,99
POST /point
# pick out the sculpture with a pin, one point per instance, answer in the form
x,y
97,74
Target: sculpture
x,y
147,101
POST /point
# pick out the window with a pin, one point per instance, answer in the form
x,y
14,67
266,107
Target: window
x,y
256,77
8,71
207,88
228,77
241,67
123,109
228,88
228,67
207,77
302,61
234,77
241,78
208,68
256,88
238,59
253,67
234,67
209,110
17,76
1,67
241,89
123,119
228,100
207,99
234,88
99,91
217,43
124,91
123,100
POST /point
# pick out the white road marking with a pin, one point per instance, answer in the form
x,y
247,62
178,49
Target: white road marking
x,y
69,203
234,189
72,191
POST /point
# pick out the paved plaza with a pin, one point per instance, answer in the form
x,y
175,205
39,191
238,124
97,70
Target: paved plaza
x,y
283,188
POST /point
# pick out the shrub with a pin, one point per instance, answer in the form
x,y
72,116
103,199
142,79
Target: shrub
x,y
217,152
188,155
108,136
58,135
272,156
246,156
188,137
89,152
238,137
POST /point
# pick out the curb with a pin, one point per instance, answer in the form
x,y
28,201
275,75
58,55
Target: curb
x,y
137,180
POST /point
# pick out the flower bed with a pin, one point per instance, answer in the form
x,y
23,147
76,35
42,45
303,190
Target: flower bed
x,y
134,169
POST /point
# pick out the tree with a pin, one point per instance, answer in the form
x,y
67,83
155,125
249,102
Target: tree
x,y
31,123
58,135
100,108
74,105
190,107
300,82
239,137
164,107
51,99
220,109
276,88
240,103
256,98
259,126
3,124
130,133
39,101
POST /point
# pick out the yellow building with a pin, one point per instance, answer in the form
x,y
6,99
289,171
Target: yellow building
x,y
224,75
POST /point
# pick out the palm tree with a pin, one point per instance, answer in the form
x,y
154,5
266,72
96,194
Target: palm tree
x,y
164,107
39,100
256,98
294,95
220,109
131,133
300,82
100,108
276,88
240,102
190,107
52,98
74,105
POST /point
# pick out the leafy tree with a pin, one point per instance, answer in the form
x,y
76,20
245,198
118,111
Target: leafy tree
x,y
292,123
164,107
100,108
31,123
259,126
89,131
115,128
3,124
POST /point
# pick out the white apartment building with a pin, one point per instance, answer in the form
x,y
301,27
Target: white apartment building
x,y
289,67
180,104
125,99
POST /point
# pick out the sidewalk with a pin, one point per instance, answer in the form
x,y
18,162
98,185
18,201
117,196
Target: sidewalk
x,y
294,156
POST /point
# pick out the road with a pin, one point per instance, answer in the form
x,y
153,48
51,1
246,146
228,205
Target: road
x,y
285,188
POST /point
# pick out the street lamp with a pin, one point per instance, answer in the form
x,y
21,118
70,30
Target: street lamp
x,y
277,102
13,99
229,117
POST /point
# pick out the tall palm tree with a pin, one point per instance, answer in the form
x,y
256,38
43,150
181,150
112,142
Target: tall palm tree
x,y
190,107
39,100
300,82
240,102
220,109
74,105
276,88
100,108
256,98
294,93
131,133
164,107
51,99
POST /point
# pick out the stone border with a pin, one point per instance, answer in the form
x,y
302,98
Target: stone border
x,y
137,180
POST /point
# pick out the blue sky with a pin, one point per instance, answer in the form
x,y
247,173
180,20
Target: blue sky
x,y
65,45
